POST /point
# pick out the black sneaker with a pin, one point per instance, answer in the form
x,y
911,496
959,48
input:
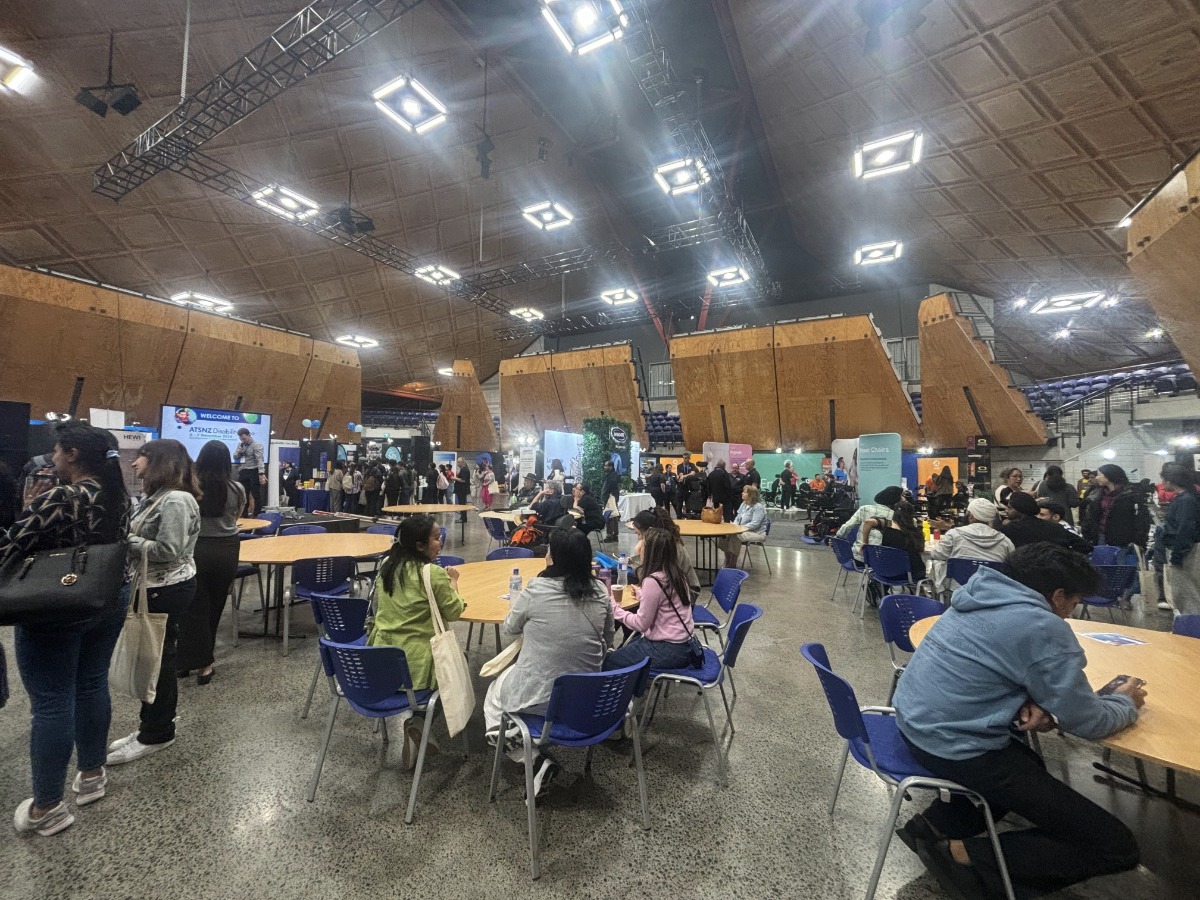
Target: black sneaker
x,y
957,880
544,771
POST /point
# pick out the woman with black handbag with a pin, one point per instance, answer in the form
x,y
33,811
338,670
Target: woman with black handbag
x,y
164,528
64,664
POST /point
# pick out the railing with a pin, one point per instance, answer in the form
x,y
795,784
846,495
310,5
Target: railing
x,y
662,381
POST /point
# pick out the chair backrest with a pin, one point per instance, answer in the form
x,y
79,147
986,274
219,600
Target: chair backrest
x,y
1187,625
303,529
842,702
1115,580
365,674
852,534
607,515
739,627
273,517
728,587
594,702
897,613
447,560
495,528
960,569
510,553
442,536
890,563
383,528
343,617
323,573
843,551
1107,555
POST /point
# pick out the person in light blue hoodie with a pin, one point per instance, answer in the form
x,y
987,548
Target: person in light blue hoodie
x,y
1001,661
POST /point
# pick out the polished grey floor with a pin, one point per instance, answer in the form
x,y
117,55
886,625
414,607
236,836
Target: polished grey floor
x,y
222,813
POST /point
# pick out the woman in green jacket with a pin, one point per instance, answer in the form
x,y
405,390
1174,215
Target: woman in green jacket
x,y
402,617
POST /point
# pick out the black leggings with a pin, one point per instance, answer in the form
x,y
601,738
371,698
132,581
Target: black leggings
x,y
216,566
158,718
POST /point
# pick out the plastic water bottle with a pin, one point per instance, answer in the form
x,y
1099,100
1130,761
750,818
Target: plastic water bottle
x,y
622,572
514,584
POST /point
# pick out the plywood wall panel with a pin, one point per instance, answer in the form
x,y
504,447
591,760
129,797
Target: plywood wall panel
x,y
1168,270
529,402
598,381
333,381
464,421
953,358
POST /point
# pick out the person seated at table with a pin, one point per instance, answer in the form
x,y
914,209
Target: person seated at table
x,y
566,626
402,616
591,516
661,518
663,618
547,504
1053,511
1023,527
978,539
901,532
1002,660
880,509
753,514
962,497
523,497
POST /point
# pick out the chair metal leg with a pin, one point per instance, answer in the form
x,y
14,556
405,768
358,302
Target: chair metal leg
x,y
895,682
641,771
233,601
837,784
470,631
496,758
312,785
885,839
530,802
712,724
732,683
994,836
648,714
497,638
766,558
728,711
430,710
587,762
312,688
383,729
842,577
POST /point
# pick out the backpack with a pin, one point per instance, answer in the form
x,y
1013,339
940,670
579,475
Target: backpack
x,y
442,483
370,483
526,535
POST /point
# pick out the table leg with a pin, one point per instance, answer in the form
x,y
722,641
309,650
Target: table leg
x,y
285,611
1146,788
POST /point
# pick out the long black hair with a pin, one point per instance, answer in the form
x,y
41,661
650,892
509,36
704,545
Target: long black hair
x,y
903,517
1053,480
662,555
571,553
214,472
404,552
656,518
96,456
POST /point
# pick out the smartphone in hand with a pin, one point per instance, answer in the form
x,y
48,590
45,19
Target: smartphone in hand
x,y
1117,682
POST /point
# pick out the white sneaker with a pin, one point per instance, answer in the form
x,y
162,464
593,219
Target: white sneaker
x,y
58,819
1164,605
89,789
127,749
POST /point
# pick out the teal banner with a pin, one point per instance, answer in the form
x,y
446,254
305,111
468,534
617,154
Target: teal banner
x,y
878,464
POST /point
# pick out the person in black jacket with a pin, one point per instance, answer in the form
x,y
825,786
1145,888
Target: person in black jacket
x,y
720,489
1114,512
611,488
592,514
1022,526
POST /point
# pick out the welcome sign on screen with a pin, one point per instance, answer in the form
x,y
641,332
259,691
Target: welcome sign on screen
x,y
194,427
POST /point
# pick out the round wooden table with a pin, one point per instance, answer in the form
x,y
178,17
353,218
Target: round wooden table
x,y
1167,728
708,532
252,524
433,509
281,552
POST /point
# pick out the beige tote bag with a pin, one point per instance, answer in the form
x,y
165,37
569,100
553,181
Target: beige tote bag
x,y
137,658
455,689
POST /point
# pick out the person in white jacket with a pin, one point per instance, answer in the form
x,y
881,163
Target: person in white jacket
x,y
978,539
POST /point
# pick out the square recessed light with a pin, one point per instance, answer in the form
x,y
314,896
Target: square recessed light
x,y
728,276
619,296
357,341
548,215
202,301
528,313
874,254
410,104
582,26
436,274
285,203
1068,303
445,370
893,154
15,73
682,176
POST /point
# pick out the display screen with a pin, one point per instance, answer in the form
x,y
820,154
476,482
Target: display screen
x,y
194,427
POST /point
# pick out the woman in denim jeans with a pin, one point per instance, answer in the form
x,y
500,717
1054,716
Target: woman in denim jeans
x,y
164,528
64,666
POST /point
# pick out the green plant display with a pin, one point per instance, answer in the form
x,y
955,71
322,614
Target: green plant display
x,y
598,445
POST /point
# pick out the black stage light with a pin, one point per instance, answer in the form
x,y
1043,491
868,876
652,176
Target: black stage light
x,y
125,99
87,99
98,98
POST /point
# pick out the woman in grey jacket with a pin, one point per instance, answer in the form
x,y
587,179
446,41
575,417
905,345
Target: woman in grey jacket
x,y
164,529
566,625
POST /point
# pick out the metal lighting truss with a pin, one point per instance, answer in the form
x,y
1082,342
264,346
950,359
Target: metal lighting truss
x,y
316,35
652,68
214,174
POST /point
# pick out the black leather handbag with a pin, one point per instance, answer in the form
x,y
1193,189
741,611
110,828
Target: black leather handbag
x,y
61,585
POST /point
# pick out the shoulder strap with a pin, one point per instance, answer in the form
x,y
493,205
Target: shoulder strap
x,y
671,603
436,614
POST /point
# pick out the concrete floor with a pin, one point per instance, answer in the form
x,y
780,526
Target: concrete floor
x,y
222,813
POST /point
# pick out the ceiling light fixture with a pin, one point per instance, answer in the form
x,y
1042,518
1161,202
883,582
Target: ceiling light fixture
x,y
15,73
682,176
445,370
1067,303
98,98
528,313
1154,334
892,154
582,26
1020,304
548,215
875,254
1062,334
436,274
202,301
409,103
285,203
357,341
728,276
619,296
1110,302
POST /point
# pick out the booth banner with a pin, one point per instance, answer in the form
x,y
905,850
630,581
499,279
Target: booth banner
x,y
929,467
731,453
445,458
528,461
635,460
129,443
281,452
563,449
878,464
844,455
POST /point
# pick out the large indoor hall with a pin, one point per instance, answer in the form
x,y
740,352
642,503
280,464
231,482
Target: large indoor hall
x,y
600,448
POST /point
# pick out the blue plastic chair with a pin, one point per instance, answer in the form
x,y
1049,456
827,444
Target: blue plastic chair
x,y
888,567
383,528
725,590
496,532
960,569
1114,582
843,552
1109,555
267,530
326,575
509,553
303,529
584,710
897,613
445,561
342,619
710,675
761,544
874,740
376,684
1187,625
